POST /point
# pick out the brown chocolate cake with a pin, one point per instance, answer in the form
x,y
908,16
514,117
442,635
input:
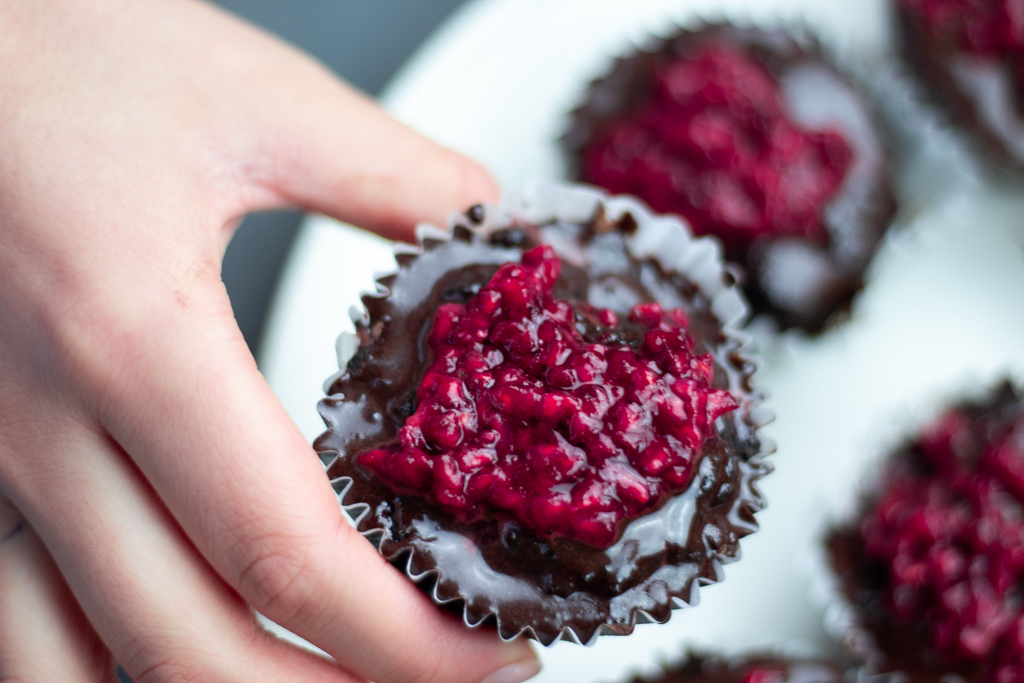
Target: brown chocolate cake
x,y
933,568
754,137
970,54
547,422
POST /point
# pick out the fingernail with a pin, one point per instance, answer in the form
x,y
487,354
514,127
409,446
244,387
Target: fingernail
x,y
514,673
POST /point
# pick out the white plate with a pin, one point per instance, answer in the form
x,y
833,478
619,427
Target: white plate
x,y
943,314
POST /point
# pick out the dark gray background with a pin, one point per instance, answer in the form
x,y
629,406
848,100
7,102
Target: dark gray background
x,y
364,42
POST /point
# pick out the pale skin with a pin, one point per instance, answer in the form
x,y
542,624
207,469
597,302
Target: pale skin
x,y
154,491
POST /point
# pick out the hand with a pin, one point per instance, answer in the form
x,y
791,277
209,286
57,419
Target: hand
x,y
157,488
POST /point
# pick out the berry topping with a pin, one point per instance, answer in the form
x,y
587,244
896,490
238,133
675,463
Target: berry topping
x,y
715,144
518,414
950,530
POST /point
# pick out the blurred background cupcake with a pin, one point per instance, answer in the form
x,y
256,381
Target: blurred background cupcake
x,y
931,566
970,56
765,667
752,136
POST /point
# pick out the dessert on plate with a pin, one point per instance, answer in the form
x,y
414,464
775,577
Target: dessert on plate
x,y
755,137
970,54
933,566
546,417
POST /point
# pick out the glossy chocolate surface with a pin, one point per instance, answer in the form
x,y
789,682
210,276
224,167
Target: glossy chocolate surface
x,y
794,281
543,585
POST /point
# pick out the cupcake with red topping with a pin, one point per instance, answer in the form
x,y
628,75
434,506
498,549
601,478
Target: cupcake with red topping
x,y
970,54
545,418
932,569
751,136
756,668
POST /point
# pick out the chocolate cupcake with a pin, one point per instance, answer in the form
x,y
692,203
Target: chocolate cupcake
x,y
544,419
932,568
757,668
754,137
970,54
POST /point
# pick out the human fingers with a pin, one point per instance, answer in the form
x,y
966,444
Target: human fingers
x,y
155,603
44,636
181,105
337,152
253,497
303,137
119,214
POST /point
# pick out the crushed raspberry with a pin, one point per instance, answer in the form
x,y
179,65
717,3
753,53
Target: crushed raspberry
x,y
714,143
519,414
952,537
